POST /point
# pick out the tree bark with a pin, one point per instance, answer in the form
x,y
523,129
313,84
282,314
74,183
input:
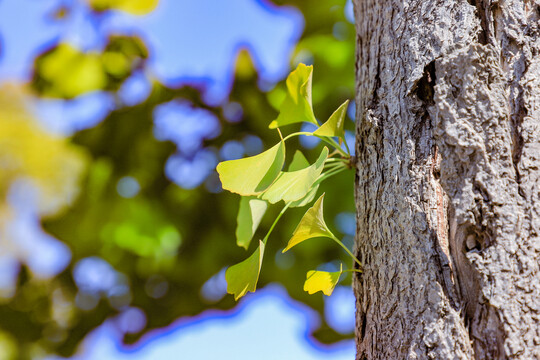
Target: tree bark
x,y
448,179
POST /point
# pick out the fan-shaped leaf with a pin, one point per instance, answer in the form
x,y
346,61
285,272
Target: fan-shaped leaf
x,y
294,185
296,106
249,217
306,199
243,276
334,125
322,281
298,162
312,225
252,175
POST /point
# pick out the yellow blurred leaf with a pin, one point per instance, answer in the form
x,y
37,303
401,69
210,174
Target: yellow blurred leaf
x,y
27,151
136,7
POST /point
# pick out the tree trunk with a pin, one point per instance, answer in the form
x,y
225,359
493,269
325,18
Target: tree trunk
x,y
448,180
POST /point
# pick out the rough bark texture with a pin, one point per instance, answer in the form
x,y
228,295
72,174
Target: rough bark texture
x,y
448,181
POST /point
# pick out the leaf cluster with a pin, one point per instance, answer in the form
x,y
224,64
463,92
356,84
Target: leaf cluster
x,y
261,181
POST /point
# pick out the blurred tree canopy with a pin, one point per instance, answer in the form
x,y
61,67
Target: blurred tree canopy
x,y
163,246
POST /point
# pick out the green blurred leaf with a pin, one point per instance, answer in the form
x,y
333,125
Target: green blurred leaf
x,y
297,105
334,125
294,185
249,217
322,281
243,276
136,7
298,162
312,225
252,175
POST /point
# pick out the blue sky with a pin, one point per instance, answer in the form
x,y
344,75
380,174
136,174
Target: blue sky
x,y
189,41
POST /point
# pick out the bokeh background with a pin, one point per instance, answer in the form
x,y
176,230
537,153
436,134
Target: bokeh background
x,y
114,230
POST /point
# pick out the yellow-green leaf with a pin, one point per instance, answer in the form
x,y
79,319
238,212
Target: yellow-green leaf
x,y
252,175
322,281
249,217
334,125
296,106
294,185
312,225
298,162
243,276
306,199
68,72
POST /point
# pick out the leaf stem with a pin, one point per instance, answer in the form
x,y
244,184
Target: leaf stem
x,y
333,160
346,249
331,172
275,222
326,139
352,270
334,144
307,133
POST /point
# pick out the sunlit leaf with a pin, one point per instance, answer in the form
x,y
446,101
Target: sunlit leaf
x,y
322,281
296,106
312,225
306,199
136,7
249,217
243,276
252,175
294,185
298,162
334,125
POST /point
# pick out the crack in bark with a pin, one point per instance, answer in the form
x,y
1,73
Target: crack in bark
x,y
483,34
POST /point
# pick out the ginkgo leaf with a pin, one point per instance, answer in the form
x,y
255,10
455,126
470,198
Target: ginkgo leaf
x,y
298,162
306,199
252,175
249,217
312,225
294,185
243,276
334,125
322,281
296,106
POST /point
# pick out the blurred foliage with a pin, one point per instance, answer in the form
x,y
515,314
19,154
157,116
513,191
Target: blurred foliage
x,y
164,242
136,7
29,153
66,72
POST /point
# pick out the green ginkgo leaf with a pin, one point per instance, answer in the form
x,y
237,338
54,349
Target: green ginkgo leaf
x,y
252,175
306,199
249,217
294,185
243,276
296,106
334,125
298,162
322,281
312,225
